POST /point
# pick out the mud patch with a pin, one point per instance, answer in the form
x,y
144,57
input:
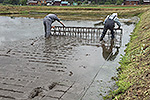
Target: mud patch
x,y
35,92
52,85
7,97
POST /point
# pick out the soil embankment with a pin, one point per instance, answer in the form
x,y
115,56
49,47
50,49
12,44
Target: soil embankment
x,y
134,72
71,12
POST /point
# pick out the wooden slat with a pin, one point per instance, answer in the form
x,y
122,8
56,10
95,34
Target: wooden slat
x,y
92,33
79,30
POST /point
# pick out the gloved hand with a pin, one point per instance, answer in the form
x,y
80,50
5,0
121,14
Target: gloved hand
x,y
53,26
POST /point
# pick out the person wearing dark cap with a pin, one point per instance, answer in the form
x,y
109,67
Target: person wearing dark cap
x,y
47,21
109,23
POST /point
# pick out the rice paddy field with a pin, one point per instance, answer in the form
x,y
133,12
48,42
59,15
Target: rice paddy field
x,y
72,12
133,79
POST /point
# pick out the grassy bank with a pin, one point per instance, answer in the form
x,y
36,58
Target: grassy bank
x,y
134,73
71,12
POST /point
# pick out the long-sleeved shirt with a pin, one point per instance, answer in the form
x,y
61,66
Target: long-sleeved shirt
x,y
52,17
116,20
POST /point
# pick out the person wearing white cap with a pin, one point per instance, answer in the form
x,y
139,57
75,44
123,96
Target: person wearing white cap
x,y
109,23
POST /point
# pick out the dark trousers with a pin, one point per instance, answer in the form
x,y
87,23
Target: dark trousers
x,y
109,26
47,27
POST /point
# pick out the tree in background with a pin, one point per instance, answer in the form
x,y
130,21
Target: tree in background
x,y
13,2
79,2
23,2
141,1
93,2
119,2
1,1
106,2
6,1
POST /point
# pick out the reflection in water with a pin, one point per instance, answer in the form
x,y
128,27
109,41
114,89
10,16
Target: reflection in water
x,y
59,46
108,51
76,57
62,46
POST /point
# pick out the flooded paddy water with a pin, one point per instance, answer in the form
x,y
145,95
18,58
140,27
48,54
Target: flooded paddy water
x,y
58,68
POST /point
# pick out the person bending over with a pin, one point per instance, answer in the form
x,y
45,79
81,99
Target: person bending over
x,y
109,23
47,21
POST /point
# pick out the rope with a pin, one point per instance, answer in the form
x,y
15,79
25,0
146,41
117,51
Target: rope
x,y
95,77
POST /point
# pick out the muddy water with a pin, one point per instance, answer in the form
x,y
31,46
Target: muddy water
x,y
81,68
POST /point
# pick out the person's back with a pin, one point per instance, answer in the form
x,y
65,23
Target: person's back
x,y
109,23
52,17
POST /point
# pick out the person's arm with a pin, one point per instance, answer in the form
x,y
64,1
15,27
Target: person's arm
x,y
118,23
62,23
105,19
56,18
53,26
